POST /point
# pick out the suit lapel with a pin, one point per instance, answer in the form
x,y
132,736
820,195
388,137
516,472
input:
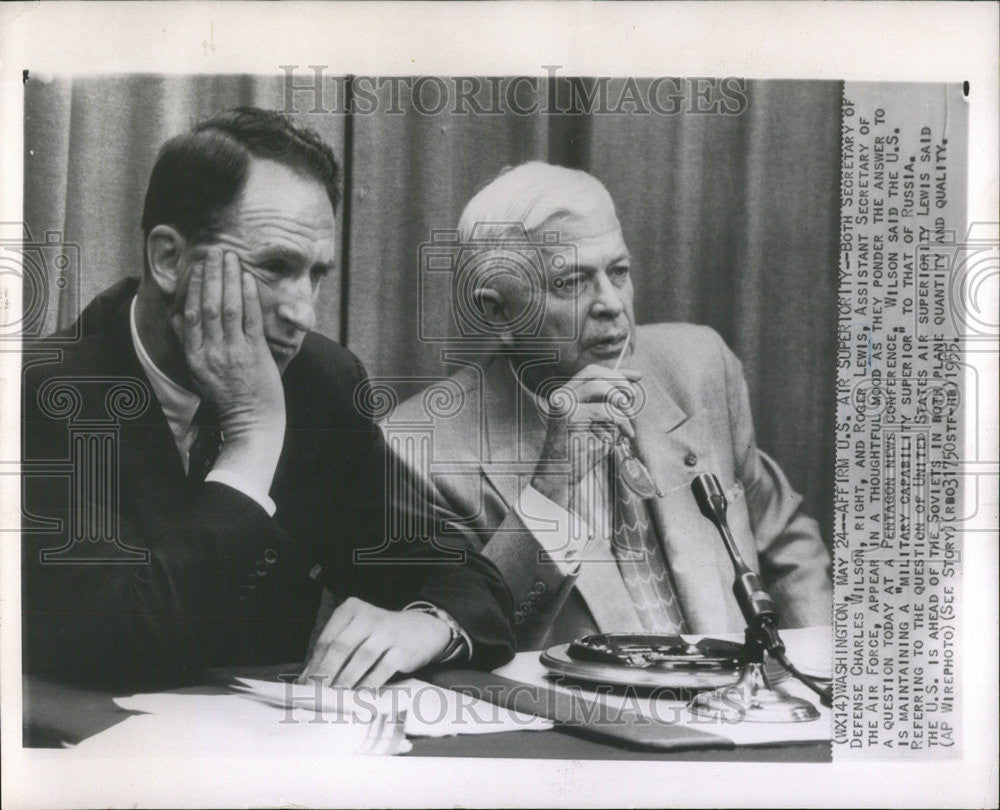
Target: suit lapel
x,y
515,435
148,458
675,445
514,431
665,433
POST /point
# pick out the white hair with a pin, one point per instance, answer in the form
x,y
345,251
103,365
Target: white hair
x,y
535,196
500,229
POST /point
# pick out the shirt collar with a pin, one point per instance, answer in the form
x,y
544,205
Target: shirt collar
x,y
179,405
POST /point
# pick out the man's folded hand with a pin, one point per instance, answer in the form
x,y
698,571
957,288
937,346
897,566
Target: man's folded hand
x,y
364,646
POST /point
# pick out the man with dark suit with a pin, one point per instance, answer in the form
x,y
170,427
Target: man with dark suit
x,y
570,459
221,474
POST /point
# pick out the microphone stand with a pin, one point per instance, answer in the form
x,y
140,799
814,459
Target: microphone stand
x,y
751,698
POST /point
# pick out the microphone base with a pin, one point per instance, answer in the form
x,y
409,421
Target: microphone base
x,y
751,700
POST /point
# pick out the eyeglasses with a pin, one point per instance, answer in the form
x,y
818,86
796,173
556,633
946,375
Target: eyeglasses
x,y
633,472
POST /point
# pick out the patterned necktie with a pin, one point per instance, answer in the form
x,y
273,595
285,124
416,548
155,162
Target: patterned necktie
x,y
207,445
642,563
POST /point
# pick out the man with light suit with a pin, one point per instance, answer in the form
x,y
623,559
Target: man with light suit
x,y
569,456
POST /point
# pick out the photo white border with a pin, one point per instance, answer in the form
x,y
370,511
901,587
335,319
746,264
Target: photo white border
x,y
930,42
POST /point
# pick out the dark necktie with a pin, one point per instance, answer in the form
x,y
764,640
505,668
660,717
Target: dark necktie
x,y
641,561
205,449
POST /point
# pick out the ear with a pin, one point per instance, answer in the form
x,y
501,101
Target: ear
x,y
493,307
165,249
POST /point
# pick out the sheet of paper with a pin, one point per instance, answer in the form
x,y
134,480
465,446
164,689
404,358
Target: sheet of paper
x,y
234,726
299,719
430,711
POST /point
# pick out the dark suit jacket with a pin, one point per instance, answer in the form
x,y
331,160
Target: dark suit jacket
x,y
133,575
695,419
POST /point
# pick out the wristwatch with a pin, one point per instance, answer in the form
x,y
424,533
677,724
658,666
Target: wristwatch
x,y
458,641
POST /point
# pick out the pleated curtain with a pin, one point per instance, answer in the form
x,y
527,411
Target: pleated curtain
x,y
732,220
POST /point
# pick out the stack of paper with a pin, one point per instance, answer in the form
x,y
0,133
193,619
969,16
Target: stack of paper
x,y
228,725
284,719
427,710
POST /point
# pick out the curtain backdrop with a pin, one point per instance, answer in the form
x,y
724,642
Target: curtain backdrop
x,y
732,220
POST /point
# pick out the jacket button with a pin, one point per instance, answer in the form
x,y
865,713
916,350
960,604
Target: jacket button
x,y
690,459
518,617
260,568
270,556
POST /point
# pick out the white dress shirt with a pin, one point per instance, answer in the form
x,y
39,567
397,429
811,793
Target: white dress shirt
x,y
179,407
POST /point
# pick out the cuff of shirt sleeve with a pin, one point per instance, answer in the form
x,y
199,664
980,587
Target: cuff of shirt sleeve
x,y
560,533
237,483
453,652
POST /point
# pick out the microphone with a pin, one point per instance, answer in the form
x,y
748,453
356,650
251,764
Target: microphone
x,y
760,615
754,601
